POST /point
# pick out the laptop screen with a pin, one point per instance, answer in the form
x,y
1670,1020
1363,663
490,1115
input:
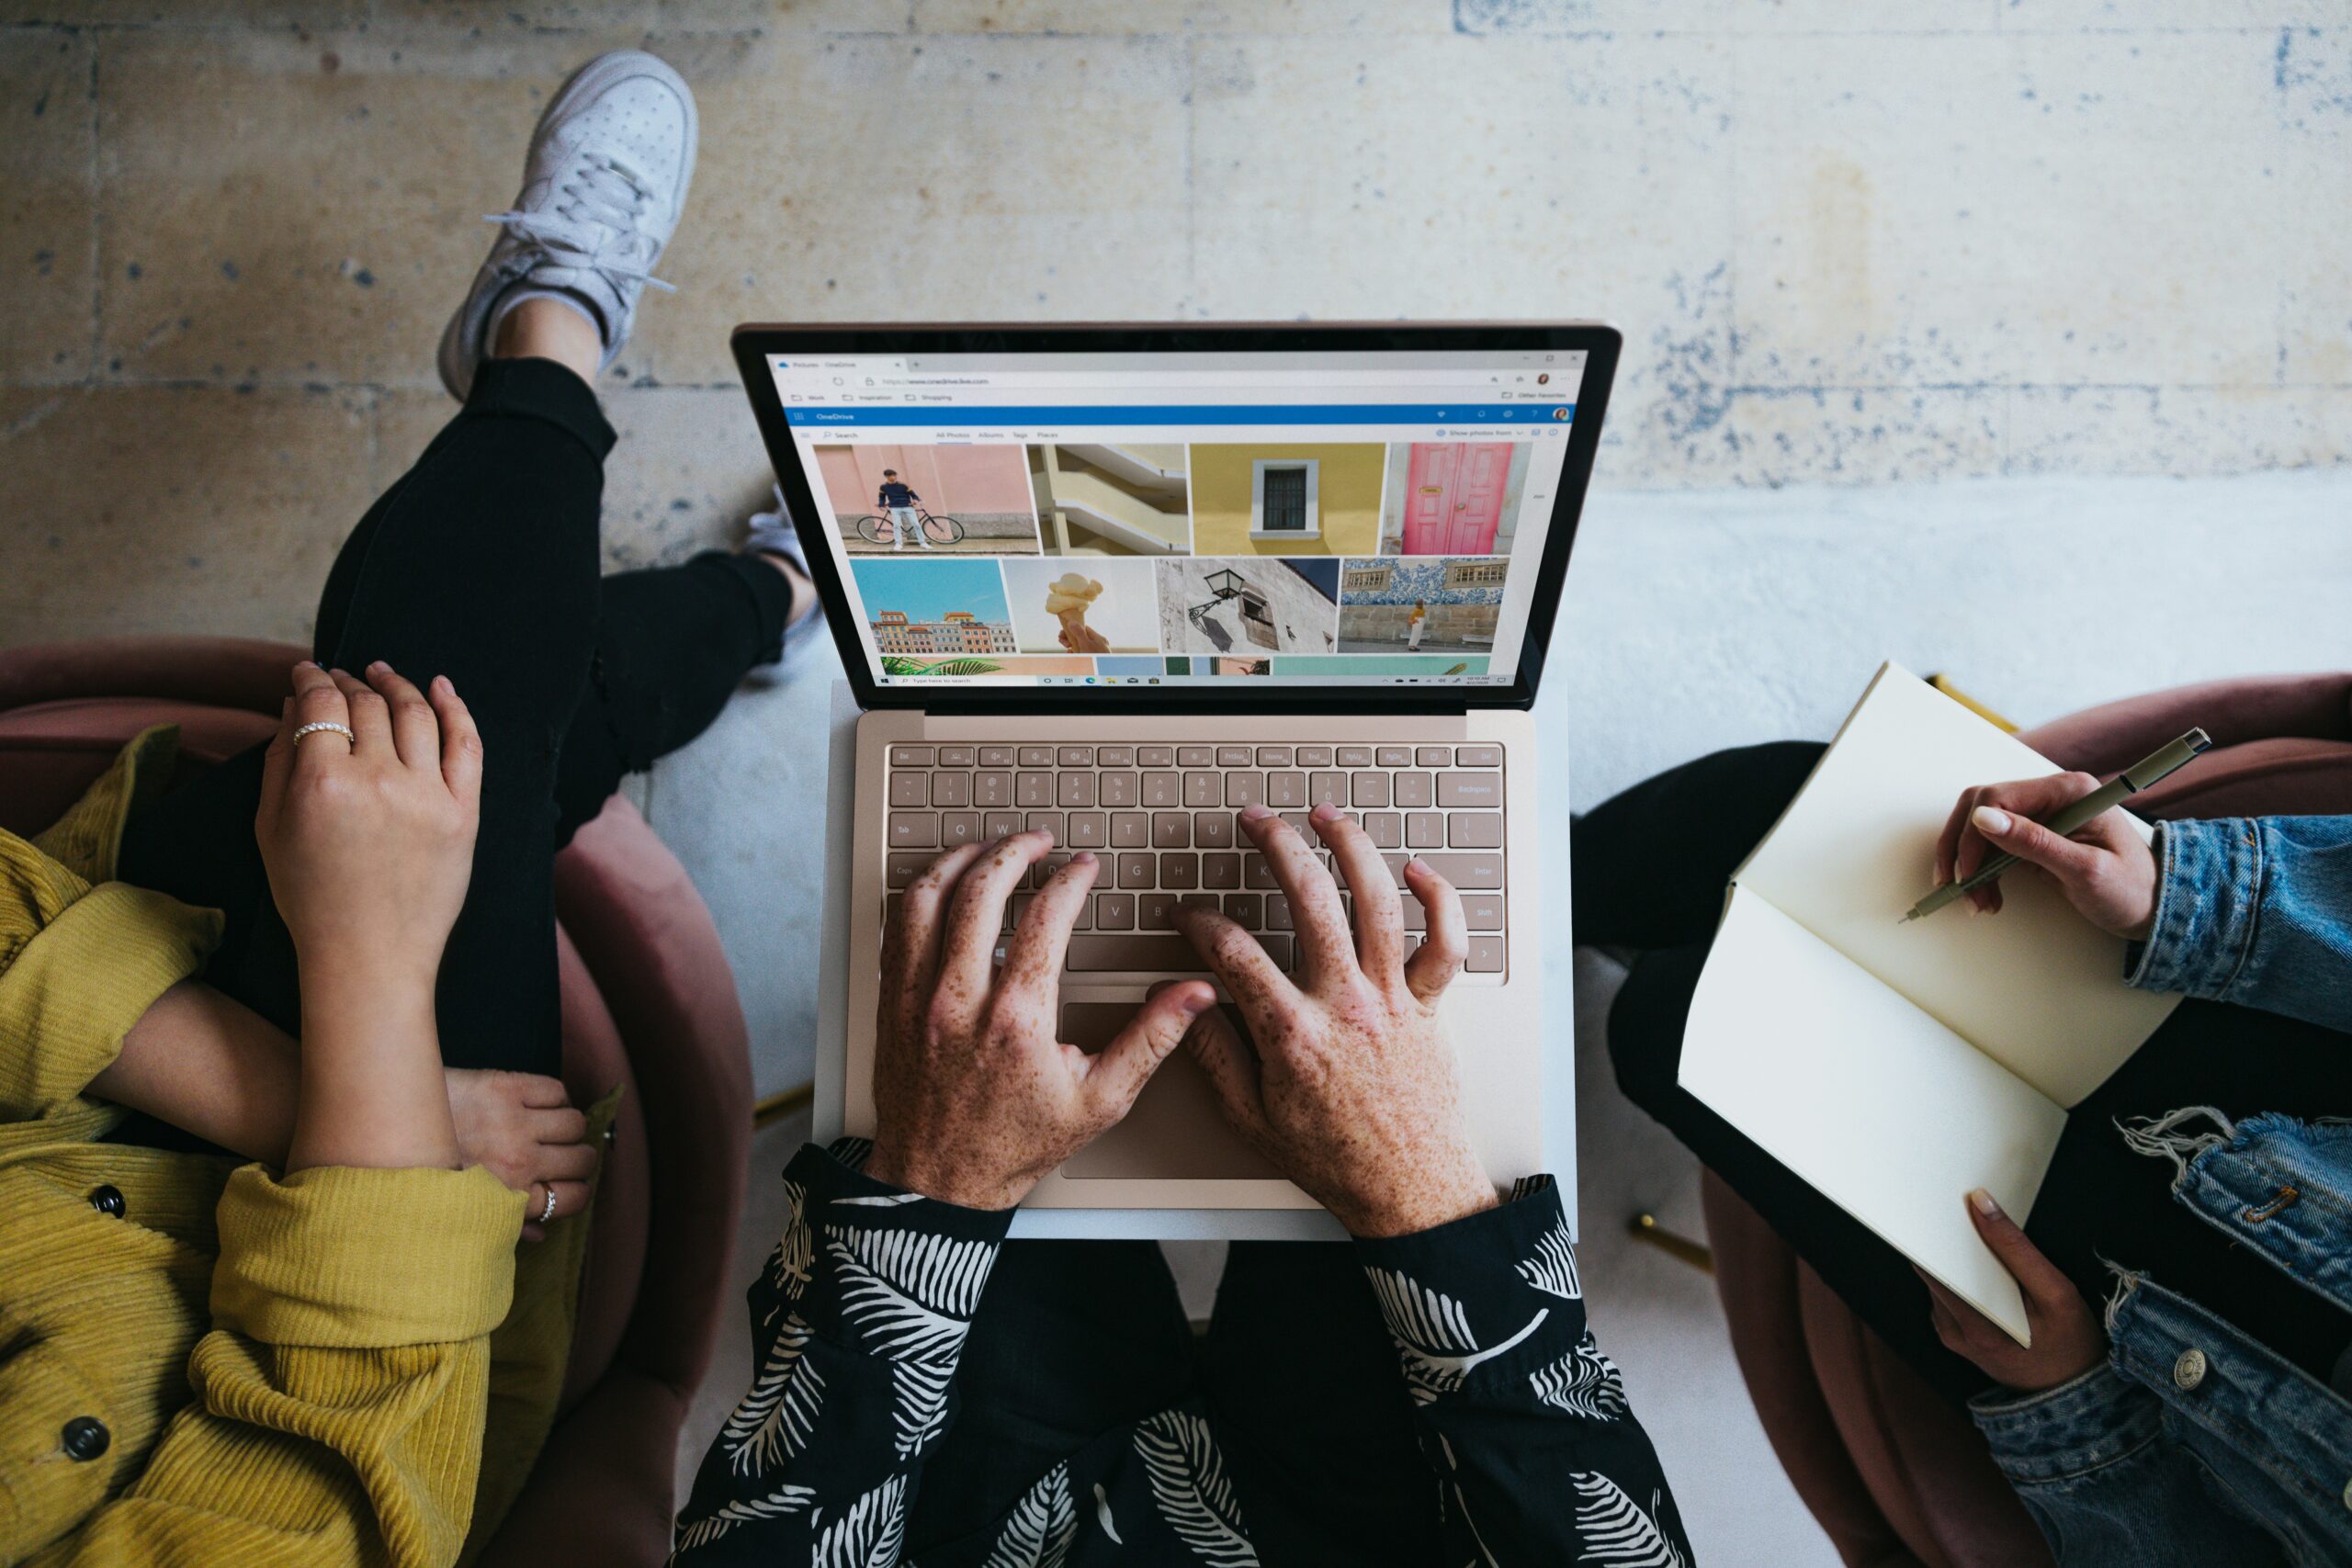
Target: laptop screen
x,y
1023,520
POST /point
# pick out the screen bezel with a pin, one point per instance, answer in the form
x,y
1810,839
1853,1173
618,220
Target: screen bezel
x,y
756,344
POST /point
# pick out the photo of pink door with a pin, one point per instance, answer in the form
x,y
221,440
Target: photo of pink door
x,y
1454,496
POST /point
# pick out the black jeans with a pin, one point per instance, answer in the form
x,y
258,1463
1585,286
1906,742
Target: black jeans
x,y
1651,865
480,563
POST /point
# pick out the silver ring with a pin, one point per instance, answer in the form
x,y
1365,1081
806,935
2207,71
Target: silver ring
x,y
547,1213
342,729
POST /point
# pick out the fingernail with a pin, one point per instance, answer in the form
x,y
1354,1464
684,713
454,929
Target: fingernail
x,y
1083,857
1327,812
1253,812
441,684
377,664
1991,819
1196,1006
306,664
1983,1202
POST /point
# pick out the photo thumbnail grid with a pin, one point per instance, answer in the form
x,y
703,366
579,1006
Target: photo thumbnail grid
x,y
1128,562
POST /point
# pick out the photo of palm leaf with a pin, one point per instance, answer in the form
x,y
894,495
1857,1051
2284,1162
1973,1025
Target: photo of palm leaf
x,y
897,665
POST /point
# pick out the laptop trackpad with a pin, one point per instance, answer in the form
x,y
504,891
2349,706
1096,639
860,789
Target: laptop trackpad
x,y
1175,1131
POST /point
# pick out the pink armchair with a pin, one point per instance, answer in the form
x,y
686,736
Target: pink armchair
x,y
648,1004
1898,1478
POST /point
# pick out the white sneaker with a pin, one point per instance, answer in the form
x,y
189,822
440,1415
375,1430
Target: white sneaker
x,y
603,186
773,532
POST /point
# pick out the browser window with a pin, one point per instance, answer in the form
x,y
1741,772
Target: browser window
x,y
1178,519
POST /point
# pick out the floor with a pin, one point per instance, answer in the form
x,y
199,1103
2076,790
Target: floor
x,y
1848,243
1901,307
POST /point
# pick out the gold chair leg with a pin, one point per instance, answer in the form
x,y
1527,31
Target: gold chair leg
x,y
767,1113
1644,1227
1944,683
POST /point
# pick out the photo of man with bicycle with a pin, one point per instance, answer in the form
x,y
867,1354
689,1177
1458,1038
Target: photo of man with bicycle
x,y
899,498
896,498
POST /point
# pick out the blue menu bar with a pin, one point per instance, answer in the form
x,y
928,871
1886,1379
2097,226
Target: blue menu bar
x,y
994,414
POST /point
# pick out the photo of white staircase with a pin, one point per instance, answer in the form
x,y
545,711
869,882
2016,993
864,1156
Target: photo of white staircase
x,y
1102,499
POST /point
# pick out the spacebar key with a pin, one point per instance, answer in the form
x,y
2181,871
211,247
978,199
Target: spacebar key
x,y
1154,953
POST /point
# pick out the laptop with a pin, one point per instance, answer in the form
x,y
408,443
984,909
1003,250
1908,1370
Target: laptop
x,y
1121,582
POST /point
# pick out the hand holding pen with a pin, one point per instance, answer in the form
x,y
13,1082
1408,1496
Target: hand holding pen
x,y
2067,825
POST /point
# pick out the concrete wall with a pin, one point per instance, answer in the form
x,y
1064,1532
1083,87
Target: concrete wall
x,y
1846,241
1347,497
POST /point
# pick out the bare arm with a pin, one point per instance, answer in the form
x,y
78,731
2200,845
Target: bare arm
x,y
211,1066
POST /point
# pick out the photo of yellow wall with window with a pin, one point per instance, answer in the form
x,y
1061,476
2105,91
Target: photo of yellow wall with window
x,y
1286,499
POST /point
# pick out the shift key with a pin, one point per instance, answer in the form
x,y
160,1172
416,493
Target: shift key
x,y
1471,873
1152,952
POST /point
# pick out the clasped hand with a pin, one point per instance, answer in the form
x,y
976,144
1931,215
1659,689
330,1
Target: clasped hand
x,y
1350,1089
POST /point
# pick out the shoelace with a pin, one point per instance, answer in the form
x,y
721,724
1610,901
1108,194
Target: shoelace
x,y
602,192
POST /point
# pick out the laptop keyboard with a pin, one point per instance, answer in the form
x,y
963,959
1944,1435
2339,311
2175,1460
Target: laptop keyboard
x,y
1161,819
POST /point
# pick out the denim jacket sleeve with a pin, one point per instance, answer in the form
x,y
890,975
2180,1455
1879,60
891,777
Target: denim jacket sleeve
x,y
2256,910
2108,1488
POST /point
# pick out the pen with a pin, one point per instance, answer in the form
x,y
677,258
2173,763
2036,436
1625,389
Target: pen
x,y
2128,783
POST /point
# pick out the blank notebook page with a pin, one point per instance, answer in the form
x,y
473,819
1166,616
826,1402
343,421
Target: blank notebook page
x,y
1889,1114
2037,986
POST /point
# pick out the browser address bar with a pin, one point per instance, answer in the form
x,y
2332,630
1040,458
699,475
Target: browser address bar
x,y
1324,377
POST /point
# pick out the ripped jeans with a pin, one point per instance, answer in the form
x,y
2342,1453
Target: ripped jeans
x,y
2196,1443
483,563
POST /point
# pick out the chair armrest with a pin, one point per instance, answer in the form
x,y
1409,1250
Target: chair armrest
x,y
2115,735
219,672
600,1491
633,913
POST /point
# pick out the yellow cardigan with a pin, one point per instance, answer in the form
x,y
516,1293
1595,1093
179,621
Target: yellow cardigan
x,y
204,1363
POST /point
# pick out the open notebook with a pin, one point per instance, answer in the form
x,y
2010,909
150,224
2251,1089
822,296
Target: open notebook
x,y
1894,1066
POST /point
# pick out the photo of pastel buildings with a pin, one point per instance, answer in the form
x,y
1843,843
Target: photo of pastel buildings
x,y
1455,600
1098,499
924,608
985,488
1286,499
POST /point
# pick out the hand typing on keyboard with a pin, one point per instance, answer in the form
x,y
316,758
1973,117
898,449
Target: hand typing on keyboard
x,y
1351,1089
974,1098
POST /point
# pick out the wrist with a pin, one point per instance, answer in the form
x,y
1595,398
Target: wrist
x,y
1424,1208
895,1167
2042,1380
365,984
